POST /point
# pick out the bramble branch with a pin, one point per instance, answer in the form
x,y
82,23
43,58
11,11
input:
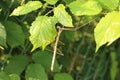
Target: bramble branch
x,y
60,29
55,47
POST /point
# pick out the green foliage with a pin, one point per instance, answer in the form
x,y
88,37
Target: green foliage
x,y
45,58
90,7
62,76
4,76
52,2
68,1
109,4
63,17
42,32
16,64
67,28
27,8
14,77
108,29
35,72
2,35
15,35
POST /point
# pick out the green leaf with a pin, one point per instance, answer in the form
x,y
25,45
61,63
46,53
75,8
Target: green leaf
x,y
45,59
68,1
4,76
2,35
53,20
63,17
89,7
15,35
14,77
62,76
16,64
114,65
27,8
42,32
52,2
109,4
108,29
35,72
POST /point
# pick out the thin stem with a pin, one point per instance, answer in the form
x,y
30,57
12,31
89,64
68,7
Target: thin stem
x,y
3,63
98,69
74,59
43,9
7,15
77,28
90,67
72,63
27,49
22,2
50,7
55,47
60,29
105,69
49,12
85,56
60,53
11,3
10,51
23,18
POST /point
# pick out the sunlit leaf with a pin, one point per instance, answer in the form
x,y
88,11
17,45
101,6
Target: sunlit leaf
x,y
90,7
14,77
53,20
42,32
45,59
108,29
4,76
109,4
2,35
68,1
26,8
15,35
63,17
52,2
16,64
62,76
35,72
